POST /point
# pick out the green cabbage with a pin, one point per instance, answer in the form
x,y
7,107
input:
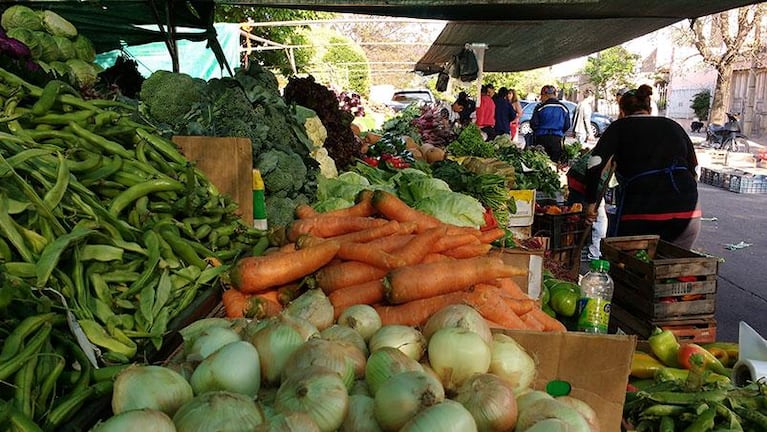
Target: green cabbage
x,y
49,50
28,38
61,70
346,186
85,74
84,49
454,208
20,17
420,188
66,49
56,25
332,204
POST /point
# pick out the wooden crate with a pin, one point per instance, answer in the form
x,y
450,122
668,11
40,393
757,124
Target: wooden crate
x,y
700,329
676,283
228,163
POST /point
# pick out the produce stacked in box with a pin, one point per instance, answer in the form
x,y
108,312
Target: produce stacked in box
x,y
685,386
381,252
103,219
300,371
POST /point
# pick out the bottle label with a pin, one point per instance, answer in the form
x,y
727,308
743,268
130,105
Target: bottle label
x,y
594,315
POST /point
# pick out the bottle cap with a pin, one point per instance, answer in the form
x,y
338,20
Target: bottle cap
x,y
558,388
599,265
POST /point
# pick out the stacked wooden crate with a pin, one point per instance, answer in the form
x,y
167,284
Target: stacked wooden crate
x,y
672,288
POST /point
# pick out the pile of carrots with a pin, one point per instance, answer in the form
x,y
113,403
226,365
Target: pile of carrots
x,y
405,263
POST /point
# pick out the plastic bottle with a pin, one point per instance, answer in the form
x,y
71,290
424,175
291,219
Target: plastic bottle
x,y
596,295
259,204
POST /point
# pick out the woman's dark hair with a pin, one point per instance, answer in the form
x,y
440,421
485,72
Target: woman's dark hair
x,y
636,100
502,94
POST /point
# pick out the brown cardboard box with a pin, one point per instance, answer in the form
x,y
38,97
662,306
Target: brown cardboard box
x,y
228,163
523,258
596,366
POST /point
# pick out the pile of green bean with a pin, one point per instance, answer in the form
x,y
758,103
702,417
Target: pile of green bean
x,y
98,211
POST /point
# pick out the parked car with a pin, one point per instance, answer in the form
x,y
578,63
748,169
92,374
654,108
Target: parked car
x,y
599,121
402,98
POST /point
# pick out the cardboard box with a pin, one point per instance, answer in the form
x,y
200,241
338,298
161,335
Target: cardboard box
x,y
525,201
596,366
228,163
533,261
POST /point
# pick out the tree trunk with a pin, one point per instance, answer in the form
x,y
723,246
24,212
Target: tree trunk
x,y
722,95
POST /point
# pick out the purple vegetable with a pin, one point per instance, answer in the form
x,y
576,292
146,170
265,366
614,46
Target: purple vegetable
x,y
13,47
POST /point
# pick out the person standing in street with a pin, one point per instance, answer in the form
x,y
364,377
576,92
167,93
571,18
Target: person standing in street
x,y
655,165
504,112
486,111
582,120
518,109
549,122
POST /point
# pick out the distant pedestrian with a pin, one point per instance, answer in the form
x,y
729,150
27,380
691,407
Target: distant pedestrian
x,y
549,122
504,112
582,119
514,128
486,111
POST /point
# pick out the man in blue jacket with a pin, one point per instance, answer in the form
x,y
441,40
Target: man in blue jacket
x,y
550,121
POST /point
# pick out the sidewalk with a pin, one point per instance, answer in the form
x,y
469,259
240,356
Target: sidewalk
x,y
756,145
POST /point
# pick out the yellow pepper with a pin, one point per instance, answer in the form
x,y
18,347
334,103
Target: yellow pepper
x,y
644,365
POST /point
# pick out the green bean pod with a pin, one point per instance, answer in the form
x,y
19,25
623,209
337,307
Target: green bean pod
x,y
9,367
142,189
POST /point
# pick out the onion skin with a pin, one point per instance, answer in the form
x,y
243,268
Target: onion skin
x,y
345,334
583,409
403,396
275,343
293,422
218,411
144,420
551,408
318,392
458,315
313,306
217,373
407,339
153,387
361,417
491,401
385,363
332,355
456,354
210,340
448,416
363,318
511,362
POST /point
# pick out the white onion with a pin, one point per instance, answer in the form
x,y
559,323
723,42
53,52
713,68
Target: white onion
x,y
455,354
583,409
144,420
234,367
363,318
360,387
403,395
405,338
385,363
511,362
292,422
458,315
528,397
218,411
549,425
328,354
313,306
551,408
210,340
305,328
345,334
318,392
190,332
360,417
153,387
491,402
448,416
275,343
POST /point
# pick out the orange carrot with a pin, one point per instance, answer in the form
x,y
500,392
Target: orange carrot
x,y
345,274
370,255
486,302
417,312
491,235
393,208
435,257
287,248
417,248
453,241
259,273
330,226
532,322
549,323
386,228
469,250
240,305
460,230
366,293
392,242
519,306
510,288
289,292
305,211
419,281
363,207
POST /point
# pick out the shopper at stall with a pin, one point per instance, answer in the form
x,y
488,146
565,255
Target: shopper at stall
x,y
460,112
582,120
518,109
486,111
504,112
655,166
550,121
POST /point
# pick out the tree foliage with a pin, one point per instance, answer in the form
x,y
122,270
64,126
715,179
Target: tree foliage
x,y
722,43
287,35
350,63
610,70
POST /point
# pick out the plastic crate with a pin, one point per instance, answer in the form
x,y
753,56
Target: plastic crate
x,y
748,184
706,176
676,283
563,230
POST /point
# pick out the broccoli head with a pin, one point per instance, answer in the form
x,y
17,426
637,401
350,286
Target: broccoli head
x,y
167,97
280,211
284,173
